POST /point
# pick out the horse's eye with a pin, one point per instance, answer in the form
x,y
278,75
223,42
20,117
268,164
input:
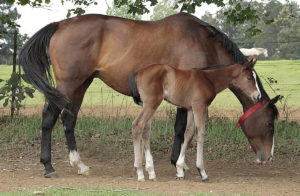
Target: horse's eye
x,y
270,124
249,78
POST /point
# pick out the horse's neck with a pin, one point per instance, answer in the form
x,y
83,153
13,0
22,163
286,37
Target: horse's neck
x,y
219,78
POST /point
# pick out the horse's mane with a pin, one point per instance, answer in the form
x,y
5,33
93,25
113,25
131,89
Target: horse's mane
x,y
229,45
216,66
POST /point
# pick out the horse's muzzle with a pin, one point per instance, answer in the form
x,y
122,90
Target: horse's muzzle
x,y
262,158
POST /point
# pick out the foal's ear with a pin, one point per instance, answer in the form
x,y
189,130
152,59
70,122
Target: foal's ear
x,y
275,99
250,64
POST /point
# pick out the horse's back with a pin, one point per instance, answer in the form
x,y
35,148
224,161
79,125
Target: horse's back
x,y
106,44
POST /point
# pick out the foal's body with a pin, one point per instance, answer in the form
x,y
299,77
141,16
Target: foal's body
x,y
193,90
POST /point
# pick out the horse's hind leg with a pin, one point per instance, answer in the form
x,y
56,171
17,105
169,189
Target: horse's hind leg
x,y
188,136
69,117
49,118
180,126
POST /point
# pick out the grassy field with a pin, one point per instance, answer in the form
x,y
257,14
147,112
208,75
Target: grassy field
x,y
222,136
286,72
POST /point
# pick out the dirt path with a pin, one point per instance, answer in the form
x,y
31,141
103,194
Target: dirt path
x,y
20,169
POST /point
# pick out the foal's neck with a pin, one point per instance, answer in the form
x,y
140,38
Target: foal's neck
x,y
220,78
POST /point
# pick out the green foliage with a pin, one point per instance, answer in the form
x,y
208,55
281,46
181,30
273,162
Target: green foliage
x,y
273,26
122,11
162,10
239,11
8,17
13,92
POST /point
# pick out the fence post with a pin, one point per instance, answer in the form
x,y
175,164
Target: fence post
x,y
12,107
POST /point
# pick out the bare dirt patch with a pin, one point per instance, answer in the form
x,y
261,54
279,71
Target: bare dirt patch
x,y
20,169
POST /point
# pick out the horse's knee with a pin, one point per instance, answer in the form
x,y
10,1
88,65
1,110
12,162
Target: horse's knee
x,y
137,130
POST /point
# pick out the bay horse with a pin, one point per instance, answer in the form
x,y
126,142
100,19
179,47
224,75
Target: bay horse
x,y
193,90
112,48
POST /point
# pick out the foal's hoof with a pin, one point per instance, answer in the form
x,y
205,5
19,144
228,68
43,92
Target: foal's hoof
x,y
142,180
85,173
153,179
51,175
179,178
205,180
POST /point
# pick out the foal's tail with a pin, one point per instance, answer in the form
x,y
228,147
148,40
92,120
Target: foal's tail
x,y
34,60
134,90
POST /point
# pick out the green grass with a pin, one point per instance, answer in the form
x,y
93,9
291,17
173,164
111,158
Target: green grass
x,y
78,191
223,139
286,72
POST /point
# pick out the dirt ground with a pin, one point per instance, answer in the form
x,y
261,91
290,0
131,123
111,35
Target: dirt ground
x,y
20,169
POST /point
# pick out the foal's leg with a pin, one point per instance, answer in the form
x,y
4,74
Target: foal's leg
x,y
138,128
148,156
199,111
49,118
188,136
69,118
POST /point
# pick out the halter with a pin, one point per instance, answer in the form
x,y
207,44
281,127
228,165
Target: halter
x,y
249,112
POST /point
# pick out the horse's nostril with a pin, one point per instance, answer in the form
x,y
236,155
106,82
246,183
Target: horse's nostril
x,y
262,157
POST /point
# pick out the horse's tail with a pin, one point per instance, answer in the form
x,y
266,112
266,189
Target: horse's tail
x,y
134,90
34,60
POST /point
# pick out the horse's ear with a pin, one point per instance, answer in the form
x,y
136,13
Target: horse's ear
x,y
250,64
275,99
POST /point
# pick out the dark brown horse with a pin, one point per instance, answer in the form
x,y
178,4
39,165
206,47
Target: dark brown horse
x,y
193,90
111,48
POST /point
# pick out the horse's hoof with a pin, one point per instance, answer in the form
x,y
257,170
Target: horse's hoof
x,y
179,178
153,179
51,175
205,180
142,180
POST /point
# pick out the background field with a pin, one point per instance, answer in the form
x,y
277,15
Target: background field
x,y
286,72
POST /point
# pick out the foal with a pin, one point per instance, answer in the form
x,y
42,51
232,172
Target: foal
x,y
191,89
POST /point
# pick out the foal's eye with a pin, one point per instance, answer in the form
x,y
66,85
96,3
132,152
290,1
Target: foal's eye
x,y
249,78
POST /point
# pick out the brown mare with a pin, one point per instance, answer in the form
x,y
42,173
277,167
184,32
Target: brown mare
x,y
193,90
111,48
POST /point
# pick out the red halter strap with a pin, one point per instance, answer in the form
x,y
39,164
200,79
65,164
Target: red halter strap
x,y
249,112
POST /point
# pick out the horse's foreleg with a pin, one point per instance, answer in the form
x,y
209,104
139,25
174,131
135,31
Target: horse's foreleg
x,y
199,111
50,115
180,127
69,118
189,133
148,156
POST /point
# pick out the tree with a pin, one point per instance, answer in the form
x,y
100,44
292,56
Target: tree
x,y
289,35
163,9
122,11
13,91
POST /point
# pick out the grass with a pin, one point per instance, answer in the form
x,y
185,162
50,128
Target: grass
x,y
286,72
78,191
223,139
